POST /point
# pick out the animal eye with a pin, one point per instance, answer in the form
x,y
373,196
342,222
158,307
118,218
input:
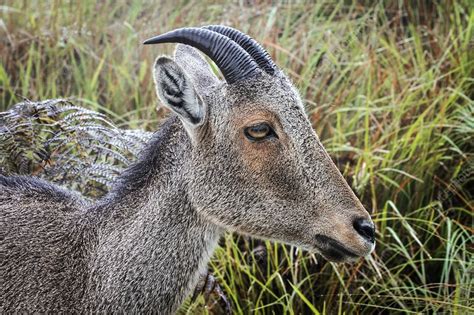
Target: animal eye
x,y
259,132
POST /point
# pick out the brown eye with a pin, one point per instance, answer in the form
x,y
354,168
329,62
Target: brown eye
x,y
259,132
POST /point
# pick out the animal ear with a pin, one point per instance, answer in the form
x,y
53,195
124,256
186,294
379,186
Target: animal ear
x,y
176,90
196,67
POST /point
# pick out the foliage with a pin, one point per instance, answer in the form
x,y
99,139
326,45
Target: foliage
x,y
389,89
67,144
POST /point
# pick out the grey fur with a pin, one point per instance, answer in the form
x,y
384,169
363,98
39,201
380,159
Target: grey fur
x,y
143,246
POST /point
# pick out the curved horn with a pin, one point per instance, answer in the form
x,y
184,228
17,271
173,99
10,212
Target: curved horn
x,y
233,61
250,45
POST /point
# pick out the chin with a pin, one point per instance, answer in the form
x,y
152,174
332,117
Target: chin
x,y
334,251
339,258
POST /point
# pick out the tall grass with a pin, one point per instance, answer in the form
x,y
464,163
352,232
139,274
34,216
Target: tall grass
x,y
388,86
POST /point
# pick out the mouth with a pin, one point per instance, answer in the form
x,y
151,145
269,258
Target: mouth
x,y
333,250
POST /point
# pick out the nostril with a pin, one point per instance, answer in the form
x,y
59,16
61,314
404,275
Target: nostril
x,y
365,228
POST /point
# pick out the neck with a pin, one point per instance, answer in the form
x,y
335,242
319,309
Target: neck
x,y
152,244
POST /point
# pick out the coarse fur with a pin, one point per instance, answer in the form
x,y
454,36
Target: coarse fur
x,y
142,247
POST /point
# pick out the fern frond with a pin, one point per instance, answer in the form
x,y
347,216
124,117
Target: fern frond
x,y
66,144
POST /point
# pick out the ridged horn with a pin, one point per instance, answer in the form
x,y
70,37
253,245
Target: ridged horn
x,y
254,49
233,61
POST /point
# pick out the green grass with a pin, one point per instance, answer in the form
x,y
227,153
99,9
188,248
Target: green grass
x,y
389,89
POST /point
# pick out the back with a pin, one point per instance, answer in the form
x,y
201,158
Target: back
x,y
42,244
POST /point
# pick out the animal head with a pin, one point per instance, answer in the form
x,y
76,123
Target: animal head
x,y
257,166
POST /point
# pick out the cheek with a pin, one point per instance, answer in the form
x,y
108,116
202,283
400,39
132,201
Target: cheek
x,y
256,156
271,168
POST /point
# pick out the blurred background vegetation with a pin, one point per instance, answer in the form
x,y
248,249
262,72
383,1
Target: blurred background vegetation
x,y
388,86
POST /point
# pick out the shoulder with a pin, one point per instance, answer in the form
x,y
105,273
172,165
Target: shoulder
x,y
27,187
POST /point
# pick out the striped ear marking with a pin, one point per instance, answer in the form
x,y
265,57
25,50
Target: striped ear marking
x,y
176,90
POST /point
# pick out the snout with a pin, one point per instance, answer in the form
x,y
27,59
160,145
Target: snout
x,y
348,241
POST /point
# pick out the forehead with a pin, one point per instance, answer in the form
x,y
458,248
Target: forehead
x,y
274,94
269,99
